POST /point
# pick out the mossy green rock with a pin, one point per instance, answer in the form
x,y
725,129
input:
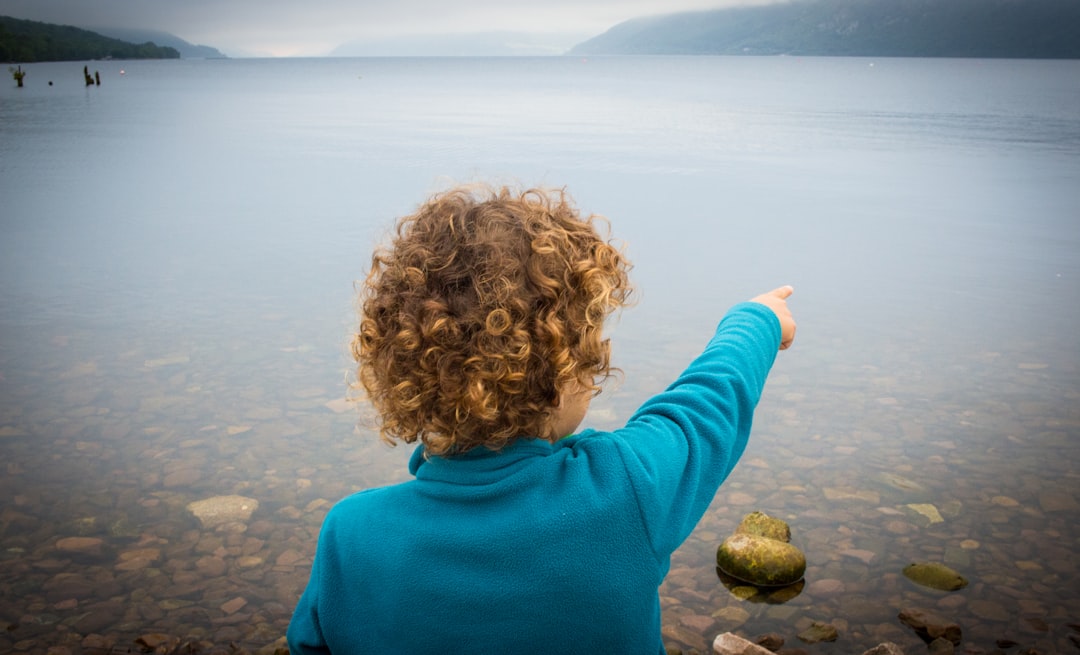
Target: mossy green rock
x,y
935,576
763,525
761,561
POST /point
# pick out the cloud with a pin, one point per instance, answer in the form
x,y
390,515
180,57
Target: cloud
x,y
317,27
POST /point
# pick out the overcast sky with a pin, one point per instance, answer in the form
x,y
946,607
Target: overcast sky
x,y
316,27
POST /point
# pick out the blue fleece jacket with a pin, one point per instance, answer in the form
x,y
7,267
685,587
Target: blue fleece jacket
x,y
539,548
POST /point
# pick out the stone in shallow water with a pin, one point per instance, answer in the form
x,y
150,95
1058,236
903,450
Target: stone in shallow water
x,y
887,648
864,556
1057,501
183,477
730,644
210,566
761,561
12,431
155,640
99,617
739,498
219,510
137,559
781,595
289,558
849,493
684,636
929,626
771,641
900,483
763,525
825,587
743,592
80,545
698,622
732,616
941,646
819,632
927,510
168,360
935,576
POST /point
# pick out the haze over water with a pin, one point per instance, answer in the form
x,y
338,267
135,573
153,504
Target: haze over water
x,y
178,248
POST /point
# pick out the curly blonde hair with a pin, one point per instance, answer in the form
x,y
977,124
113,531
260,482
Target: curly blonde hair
x,y
485,307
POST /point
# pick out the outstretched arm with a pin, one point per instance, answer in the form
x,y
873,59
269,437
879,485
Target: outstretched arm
x,y
683,442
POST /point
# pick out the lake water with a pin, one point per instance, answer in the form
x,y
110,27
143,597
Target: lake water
x,y
178,248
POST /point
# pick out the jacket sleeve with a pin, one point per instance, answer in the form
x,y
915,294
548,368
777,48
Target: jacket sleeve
x,y
682,443
305,635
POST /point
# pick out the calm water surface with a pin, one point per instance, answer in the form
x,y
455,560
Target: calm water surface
x,y
178,248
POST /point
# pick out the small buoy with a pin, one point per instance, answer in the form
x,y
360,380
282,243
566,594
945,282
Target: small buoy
x,y
121,71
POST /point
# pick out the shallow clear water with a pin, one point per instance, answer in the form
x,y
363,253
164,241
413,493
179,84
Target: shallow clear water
x,y
177,253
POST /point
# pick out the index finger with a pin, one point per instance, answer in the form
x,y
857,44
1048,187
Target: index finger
x,y
783,292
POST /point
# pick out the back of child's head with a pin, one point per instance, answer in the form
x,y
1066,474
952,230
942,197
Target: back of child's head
x,y
485,307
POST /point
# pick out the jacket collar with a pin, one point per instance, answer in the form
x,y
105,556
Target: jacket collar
x,y
478,460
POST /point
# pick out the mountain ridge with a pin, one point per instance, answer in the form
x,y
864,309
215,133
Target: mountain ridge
x,y
186,49
901,28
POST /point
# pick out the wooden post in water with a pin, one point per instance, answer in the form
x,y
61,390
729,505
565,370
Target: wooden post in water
x,y
18,74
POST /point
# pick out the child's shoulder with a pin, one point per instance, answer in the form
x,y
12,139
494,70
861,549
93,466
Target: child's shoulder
x,y
361,503
602,449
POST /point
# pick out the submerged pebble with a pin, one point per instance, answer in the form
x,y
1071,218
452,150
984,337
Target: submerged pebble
x,y
935,575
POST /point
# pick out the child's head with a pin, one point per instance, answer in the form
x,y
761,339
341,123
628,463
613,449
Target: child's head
x,y
487,307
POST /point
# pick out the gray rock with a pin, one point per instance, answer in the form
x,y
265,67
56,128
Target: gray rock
x,y
220,510
819,632
99,617
887,648
80,545
942,646
731,644
929,626
771,641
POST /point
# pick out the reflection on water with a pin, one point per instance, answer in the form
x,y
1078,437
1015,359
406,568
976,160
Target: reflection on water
x,y
176,299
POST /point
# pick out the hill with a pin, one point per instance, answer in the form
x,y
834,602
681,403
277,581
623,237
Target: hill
x,y
187,50
29,41
1047,29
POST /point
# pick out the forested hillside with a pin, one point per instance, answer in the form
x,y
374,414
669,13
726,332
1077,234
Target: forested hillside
x,y
880,28
26,41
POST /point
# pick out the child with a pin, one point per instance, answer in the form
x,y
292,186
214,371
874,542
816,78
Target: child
x,y
481,338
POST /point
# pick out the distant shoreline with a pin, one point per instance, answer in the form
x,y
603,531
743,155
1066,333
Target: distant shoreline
x,y
1034,29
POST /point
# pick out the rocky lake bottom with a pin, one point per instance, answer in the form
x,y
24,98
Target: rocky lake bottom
x,y
105,549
